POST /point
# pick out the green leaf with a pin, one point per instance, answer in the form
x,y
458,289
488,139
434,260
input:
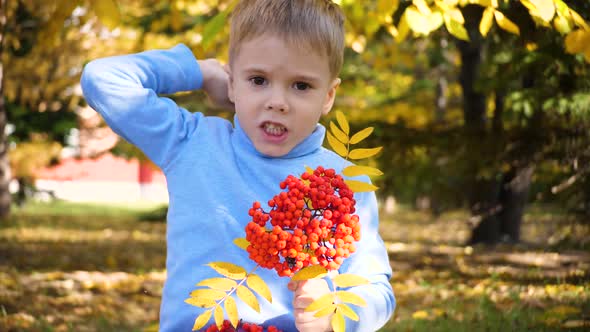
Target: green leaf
x,y
248,297
342,122
321,302
310,272
208,293
201,320
338,147
360,186
350,297
338,322
349,280
325,311
356,170
242,243
361,135
259,286
339,134
347,311
228,270
232,311
218,315
201,302
222,284
364,153
213,27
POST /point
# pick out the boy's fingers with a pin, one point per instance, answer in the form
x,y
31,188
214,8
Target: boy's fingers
x,y
293,285
302,301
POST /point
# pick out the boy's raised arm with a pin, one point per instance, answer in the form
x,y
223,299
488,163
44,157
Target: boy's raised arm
x,y
125,91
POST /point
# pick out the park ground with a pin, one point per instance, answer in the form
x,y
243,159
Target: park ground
x,y
66,267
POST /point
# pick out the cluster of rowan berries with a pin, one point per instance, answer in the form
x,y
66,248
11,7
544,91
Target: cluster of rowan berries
x,y
242,327
311,223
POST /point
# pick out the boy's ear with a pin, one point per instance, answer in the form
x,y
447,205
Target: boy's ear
x,y
230,83
329,102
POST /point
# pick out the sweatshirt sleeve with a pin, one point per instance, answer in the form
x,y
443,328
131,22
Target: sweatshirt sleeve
x,y
372,262
125,91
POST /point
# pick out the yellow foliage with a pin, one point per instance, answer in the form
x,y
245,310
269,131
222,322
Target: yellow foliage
x,y
259,286
223,284
364,153
338,147
355,170
228,270
505,23
347,311
360,186
338,322
361,135
107,12
350,297
322,302
200,302
218,315
231,309
248,297
202,320
342,122
27,158
325,311
242,243
310,272
339,134
349,280
486,21
208,294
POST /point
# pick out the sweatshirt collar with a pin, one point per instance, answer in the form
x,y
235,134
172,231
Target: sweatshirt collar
x,y
310,144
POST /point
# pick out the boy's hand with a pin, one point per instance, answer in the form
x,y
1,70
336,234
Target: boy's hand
x,y
215,81
305,293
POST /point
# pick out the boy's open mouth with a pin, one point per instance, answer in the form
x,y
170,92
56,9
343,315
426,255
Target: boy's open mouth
x,y
273,129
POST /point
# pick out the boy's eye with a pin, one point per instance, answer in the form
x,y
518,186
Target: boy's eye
x,y
302,86
258,80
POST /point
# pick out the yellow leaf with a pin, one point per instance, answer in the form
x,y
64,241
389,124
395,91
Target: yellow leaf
x,y
364,153
208,293
486,21
360,186
455,28
349,280
222,284
361,135
107,12
325,311
420,314
200,302
422,7
561,25
355,170
339,134
342,122
248,297
403,29
348,312
350,297
545,9
242,243
576,41
202,320
578,19
338,147
228,270
309,170
310,272
421,23
218,315
338,322
232,311
506,24
259,286
387,7
321,302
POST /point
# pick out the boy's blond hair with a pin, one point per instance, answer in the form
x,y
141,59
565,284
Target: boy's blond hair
x,y
314,24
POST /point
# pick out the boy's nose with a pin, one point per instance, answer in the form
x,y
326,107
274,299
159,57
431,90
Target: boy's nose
x,y
277,102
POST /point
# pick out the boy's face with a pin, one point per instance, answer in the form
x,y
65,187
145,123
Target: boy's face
x,y
280,92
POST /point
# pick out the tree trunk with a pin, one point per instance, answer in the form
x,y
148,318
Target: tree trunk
x,y
513,199
4,165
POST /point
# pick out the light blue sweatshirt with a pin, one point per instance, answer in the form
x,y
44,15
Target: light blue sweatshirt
x,y
214,174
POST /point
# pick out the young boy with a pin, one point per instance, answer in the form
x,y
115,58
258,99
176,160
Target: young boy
x,y
285,56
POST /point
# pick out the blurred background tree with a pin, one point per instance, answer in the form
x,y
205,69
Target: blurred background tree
x,y
479,104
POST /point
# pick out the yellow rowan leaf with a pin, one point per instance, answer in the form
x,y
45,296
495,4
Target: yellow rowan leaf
x,y
356,170
361,135
456,28
310,272
259,286
248,297
325,311
202,320
218,316
486,21
347,311
107,12
338,147
321,302
342,122
208,293
338,322
228,270
241,242
222,284
339,134
350,297
505,23
201,302
360,186
364,153
576,41
232,311
403,29
349,280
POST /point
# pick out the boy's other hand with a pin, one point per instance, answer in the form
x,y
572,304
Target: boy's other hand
x,y
305,293
215,83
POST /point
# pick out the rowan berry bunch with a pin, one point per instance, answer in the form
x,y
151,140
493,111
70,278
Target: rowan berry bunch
x,y
311,223
242,327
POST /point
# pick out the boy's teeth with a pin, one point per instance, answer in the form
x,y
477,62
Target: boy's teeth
x,y
275,130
